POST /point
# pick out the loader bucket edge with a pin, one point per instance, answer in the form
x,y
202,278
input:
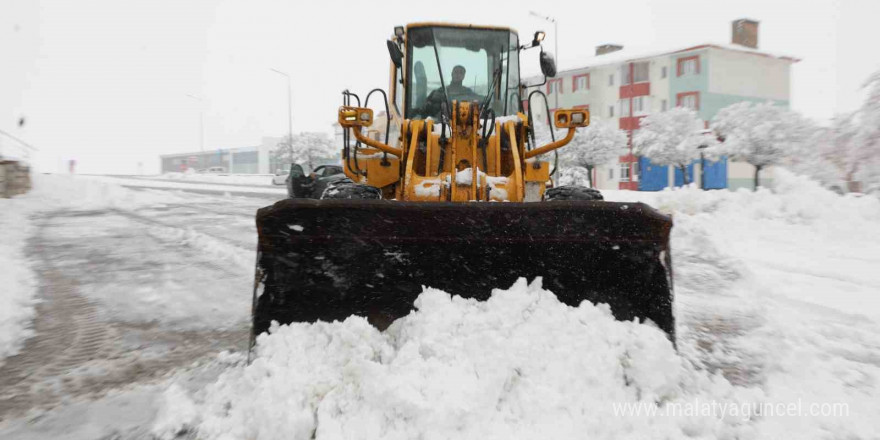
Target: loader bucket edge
x,y
329,259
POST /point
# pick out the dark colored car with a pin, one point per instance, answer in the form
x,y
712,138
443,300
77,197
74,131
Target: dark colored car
x,y
311,186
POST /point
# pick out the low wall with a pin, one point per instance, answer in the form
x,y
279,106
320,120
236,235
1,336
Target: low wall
x,y
15,178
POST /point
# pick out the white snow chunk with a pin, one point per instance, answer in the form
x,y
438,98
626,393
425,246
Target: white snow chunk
x,y
521,365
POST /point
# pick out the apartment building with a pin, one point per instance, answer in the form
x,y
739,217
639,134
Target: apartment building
x,y
625,85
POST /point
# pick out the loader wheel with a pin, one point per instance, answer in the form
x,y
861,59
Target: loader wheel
x,y
346,189
572,192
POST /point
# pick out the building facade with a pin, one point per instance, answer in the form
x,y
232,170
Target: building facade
x,y
242,160
624,86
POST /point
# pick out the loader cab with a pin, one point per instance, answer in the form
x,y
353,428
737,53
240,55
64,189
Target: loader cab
x,y
446,63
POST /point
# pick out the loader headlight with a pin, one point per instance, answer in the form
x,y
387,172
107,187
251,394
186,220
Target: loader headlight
x,y
572,118
355,116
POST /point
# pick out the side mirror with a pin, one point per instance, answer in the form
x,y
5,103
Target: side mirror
x,y
548,65
396,54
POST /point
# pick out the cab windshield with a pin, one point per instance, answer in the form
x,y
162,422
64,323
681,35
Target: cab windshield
x,y
472,63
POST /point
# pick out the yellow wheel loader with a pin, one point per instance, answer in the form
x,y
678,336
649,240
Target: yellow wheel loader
x,y
457,196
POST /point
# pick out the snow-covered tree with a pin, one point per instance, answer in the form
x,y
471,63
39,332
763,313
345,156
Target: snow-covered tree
x,y
307,147
673,137
542,133
867,139
760,134
597,144
840,148
574,175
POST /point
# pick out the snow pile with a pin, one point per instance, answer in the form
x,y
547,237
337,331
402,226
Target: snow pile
x,y
779,290
220,187
17,281
520,365
84,193
794,200
228,179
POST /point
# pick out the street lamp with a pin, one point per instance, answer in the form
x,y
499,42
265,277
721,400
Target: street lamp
x,y
550,19
289,108
201,120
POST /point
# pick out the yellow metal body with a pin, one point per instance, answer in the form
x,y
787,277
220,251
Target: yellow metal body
x,y
424,165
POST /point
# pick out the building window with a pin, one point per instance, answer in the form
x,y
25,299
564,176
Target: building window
x,y
662,105
624,172
689,66
689,100
580,82
624,74
640,72
663,72
554,85
610,173
611,79
624,108
640,105
635,168
610,111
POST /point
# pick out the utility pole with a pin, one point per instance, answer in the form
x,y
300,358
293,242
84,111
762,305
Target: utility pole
x,y
553,20
289,112
201,121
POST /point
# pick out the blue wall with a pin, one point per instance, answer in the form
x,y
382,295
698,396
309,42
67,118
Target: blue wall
x,y
715,174
679,177
655,178
652,177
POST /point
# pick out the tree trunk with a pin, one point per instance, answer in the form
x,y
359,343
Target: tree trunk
x,y
590,175
757,172
684,174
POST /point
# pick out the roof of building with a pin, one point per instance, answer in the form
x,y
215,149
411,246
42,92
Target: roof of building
x,y
636,54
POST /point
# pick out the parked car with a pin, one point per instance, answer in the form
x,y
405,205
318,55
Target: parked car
x,y
280,177
301,185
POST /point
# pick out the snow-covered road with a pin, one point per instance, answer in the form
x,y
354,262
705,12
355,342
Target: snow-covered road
x,y
130,284
777,300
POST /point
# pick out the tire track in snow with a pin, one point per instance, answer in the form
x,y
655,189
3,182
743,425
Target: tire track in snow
x,y
78,349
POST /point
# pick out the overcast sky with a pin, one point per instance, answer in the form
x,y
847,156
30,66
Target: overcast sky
x,y
105,82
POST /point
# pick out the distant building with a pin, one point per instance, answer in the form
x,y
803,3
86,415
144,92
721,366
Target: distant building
x,y
242,160
625,85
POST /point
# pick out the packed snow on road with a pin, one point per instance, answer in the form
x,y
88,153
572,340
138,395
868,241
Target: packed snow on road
x,y
778,331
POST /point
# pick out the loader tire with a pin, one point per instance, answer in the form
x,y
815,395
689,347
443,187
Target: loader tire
x,y
346,189
572,192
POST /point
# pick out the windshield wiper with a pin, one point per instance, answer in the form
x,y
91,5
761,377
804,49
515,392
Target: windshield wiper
x,y
496,76
440,71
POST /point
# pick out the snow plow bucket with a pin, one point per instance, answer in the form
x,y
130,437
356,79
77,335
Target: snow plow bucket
x,y
329,259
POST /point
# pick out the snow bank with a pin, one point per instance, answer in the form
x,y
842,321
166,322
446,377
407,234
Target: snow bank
x,y
794,200
780,290
186,185
17,281
84,193
227,179
520,365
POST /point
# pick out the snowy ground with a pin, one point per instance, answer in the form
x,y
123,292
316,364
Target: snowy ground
x,y
212,186
777,296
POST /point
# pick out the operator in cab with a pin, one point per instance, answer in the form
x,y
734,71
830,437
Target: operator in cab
x,y
456,90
